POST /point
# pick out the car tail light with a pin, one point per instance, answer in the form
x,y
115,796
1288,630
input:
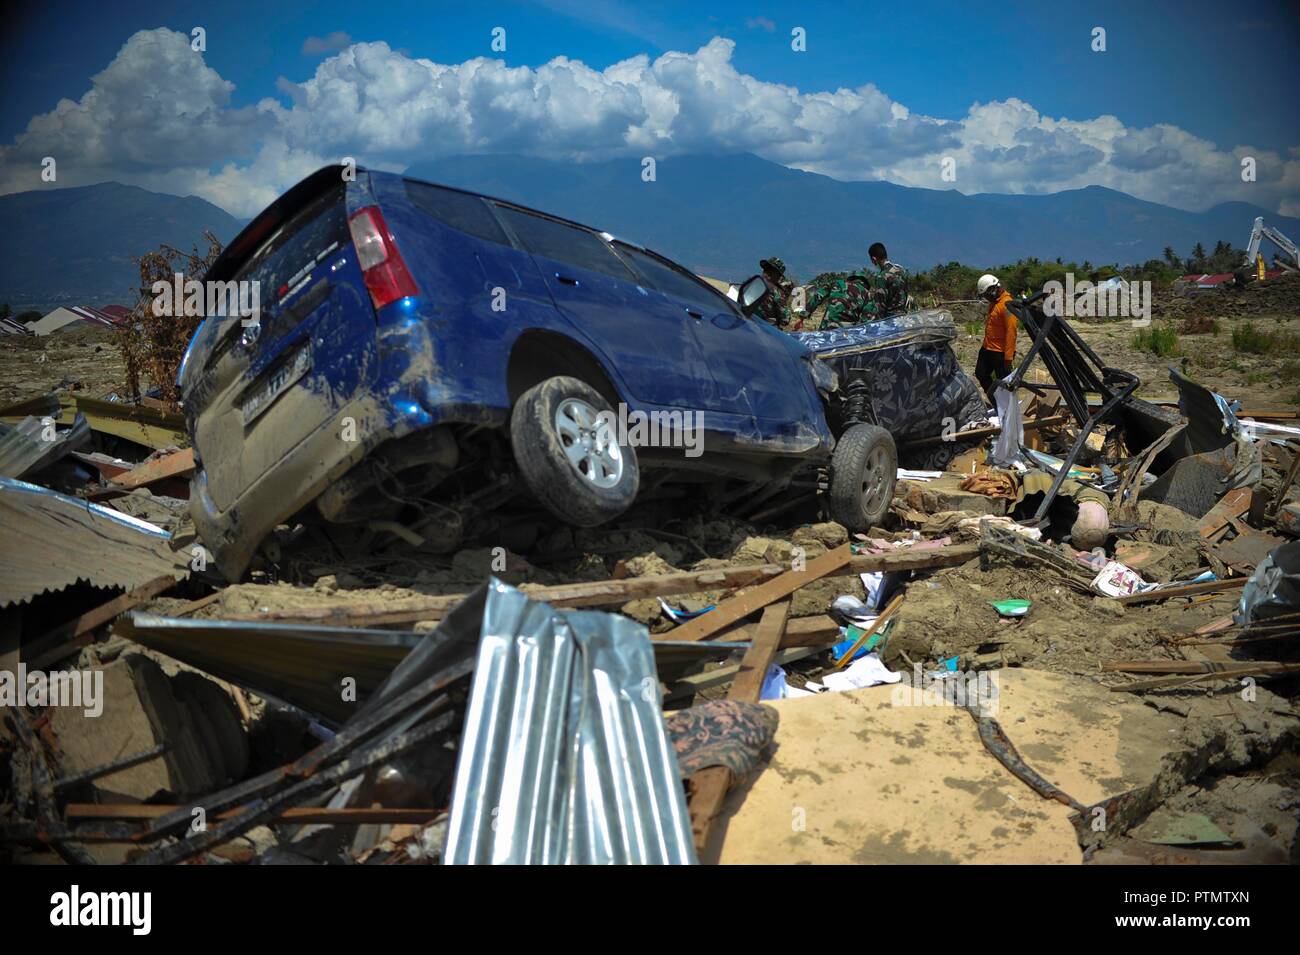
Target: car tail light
x,y
381,264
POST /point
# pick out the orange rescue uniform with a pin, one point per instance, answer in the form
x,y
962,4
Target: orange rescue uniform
x,y
1000,329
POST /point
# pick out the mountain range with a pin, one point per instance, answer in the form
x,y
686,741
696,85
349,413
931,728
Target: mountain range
x,y
74,246
716,214
721,214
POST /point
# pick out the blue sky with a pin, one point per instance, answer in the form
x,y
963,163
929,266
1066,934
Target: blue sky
x,y
1216,72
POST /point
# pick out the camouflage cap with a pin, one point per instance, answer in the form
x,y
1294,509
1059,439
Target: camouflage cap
x,y
773,265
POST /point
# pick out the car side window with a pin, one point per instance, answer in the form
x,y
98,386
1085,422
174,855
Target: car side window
x,y
460,210
566,243
672,281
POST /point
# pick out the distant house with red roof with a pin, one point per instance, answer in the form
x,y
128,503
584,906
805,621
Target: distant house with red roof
x,y
110,316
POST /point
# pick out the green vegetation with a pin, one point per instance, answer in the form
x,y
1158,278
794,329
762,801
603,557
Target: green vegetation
x,y
955,281
1255,341
1161,341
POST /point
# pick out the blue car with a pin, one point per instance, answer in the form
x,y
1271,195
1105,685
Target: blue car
x,y
425,357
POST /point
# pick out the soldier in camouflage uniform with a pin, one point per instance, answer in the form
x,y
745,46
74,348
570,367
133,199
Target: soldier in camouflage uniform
x,y
849,300
775,309
889,291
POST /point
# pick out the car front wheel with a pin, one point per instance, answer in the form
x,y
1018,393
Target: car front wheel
x,y
569,453
864,468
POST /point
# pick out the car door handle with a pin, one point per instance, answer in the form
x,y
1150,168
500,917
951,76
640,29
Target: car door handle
x,y
567,279
694,314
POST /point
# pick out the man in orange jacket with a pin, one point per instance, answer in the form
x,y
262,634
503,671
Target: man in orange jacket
x,y
998,352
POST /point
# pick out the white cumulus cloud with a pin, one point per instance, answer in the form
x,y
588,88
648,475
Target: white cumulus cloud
x,y
159,117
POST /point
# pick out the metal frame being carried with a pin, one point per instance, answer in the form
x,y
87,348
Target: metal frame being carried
x,y
1077,370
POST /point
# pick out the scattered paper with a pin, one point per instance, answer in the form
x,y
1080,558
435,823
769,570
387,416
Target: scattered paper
x,y
861,673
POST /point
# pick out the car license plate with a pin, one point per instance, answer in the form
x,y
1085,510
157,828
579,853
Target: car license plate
x,y
274,386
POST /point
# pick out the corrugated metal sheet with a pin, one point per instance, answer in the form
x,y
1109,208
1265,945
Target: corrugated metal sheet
x,y
24,448
52,541
299,664
303,664
564,757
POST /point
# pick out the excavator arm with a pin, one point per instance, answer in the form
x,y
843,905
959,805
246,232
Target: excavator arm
x,y
1291,252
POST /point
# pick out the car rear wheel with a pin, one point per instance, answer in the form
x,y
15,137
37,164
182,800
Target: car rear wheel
x,y
864,468
570,457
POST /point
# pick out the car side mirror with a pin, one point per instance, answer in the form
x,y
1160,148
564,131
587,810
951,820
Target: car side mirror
x,y
753,291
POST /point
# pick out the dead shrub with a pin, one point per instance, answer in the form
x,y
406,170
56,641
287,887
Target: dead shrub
x,y
152,345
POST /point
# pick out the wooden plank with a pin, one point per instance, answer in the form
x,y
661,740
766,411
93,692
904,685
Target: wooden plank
x,y
755,598
143,425
1186,590
711,784
172,465
748,685
128,812
1233,504
817,631
1276,414
1280,497
62,640
606,592
695,682
1221,672
199,604
708,793
876,627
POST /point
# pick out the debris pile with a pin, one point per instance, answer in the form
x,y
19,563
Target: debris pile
x,y
1106,587
1278,295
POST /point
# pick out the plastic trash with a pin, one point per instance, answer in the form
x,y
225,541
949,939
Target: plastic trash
x,y
1011,608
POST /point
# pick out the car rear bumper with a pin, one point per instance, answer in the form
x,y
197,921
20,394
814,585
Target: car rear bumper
x,y
233,534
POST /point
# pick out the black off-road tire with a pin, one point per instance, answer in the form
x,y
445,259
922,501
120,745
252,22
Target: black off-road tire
x,y
540,454
864,469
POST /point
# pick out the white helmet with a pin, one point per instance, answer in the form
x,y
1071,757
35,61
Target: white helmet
x,y
986,282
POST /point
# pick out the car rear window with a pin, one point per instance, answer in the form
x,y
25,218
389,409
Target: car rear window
x,y
459,210
291,253
566,243
671,280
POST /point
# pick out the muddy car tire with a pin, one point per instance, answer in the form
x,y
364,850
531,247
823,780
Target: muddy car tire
x,y
570,461
864,467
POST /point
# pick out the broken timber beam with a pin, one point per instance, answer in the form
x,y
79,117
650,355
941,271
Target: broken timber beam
x,y
819,631
1186,590
1233,504
695,682
605,592
172,465
75,634
710,785
755,598
767,640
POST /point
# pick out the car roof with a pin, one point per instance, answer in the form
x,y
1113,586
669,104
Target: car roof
x,y
609,237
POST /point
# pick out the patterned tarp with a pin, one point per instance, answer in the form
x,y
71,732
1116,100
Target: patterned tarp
x,y
915,379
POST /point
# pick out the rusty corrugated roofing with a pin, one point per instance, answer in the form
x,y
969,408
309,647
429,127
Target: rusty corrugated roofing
x,y
52,541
